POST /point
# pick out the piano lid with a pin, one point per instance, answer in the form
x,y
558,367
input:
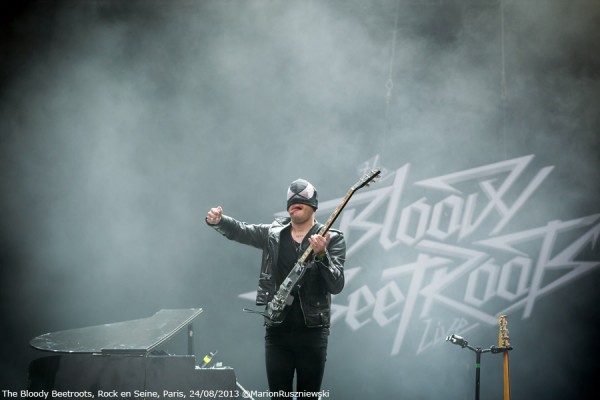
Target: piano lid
x,y
136,337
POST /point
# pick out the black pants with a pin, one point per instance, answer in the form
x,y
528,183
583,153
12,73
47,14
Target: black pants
x,y
303,353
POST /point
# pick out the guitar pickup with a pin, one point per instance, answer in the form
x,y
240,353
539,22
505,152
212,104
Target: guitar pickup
x,y
290,300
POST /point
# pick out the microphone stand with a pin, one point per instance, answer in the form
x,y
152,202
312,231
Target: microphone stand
x,y
460,341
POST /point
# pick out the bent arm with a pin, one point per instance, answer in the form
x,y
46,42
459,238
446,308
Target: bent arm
x,y
331,264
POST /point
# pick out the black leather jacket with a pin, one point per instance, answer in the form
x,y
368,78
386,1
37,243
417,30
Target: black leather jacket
x,y
321,280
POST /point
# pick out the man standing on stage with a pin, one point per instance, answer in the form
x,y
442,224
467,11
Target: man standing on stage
x,y
297,345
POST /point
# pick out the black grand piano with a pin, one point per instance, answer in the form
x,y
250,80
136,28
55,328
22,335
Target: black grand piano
x,y
125,359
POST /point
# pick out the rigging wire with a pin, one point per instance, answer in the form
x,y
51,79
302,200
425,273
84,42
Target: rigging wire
x,y
389,85
503,90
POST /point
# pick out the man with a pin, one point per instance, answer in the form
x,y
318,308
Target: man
x,y
299,343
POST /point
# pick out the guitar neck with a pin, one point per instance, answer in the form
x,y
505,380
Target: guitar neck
x,y
504,342
506,377
328,224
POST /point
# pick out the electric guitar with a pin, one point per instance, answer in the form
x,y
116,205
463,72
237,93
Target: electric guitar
x,y
504,342
276,308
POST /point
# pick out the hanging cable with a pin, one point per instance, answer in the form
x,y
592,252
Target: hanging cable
x,y
389,85
503,94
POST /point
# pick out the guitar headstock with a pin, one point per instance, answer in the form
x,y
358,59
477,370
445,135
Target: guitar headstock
x,y
503,339
367,179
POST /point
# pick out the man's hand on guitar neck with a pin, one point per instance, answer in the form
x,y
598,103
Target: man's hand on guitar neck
x,y
319,243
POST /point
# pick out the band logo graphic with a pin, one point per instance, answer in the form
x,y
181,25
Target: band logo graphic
x,y
453,252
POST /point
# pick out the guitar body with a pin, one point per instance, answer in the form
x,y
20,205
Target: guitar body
x,y
277,308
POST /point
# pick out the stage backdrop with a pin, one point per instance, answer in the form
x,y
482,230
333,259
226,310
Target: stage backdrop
x,y
123,122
